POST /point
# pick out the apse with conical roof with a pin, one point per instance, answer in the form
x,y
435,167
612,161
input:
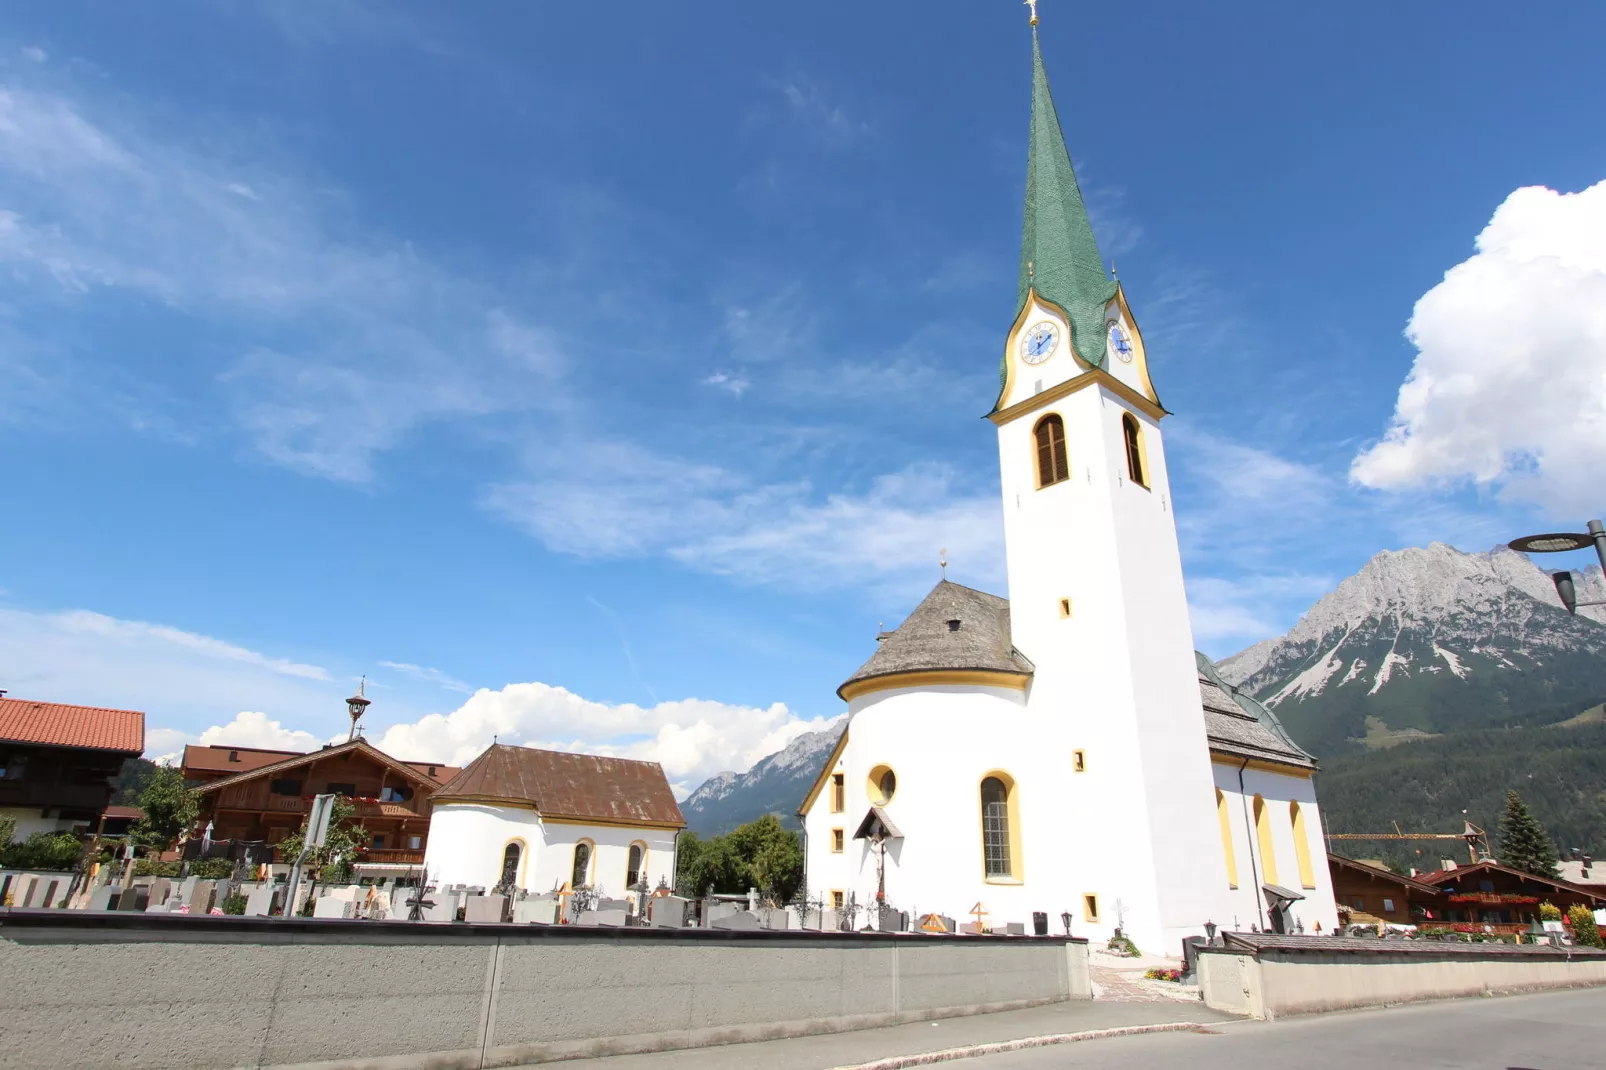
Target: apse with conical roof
x,y
1059,257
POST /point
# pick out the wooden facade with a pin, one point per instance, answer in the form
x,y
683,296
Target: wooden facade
x,y
270,802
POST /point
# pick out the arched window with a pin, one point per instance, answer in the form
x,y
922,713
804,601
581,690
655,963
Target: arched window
x,y
1052,466
997,858
1134,449
881,785
581,874
1225,817
636,868
1296,817
1268,855
510,865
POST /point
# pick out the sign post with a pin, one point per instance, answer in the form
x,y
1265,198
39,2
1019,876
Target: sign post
x,y
323,807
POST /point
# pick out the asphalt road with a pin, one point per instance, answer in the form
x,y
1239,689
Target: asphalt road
x,y
1553,1031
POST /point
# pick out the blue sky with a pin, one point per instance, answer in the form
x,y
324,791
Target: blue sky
x,y
634,354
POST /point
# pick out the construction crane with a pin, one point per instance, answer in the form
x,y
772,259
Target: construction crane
x,y
1476,839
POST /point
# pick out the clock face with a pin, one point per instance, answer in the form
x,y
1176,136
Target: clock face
x,y
1120,342
1039,342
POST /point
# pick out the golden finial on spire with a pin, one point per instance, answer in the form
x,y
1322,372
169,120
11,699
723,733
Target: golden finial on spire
x,y
1033,5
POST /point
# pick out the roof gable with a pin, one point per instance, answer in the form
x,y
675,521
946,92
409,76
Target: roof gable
x,y
355,746
558,784
1442,877
1238,724
1389,875
55,724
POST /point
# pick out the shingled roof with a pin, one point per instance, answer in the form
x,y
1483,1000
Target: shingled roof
x,y
1238,724
585,787
926,641
53,724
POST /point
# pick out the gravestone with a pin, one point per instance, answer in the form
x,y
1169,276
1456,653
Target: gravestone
x,y
775,919
718,910
821,920
105,897
1190,957
44,892
971,928
543,911
1039,923
329,906
668,911
892,921
259,904
444,908
186,888
484,908
201,896
741,920
612,917
612,904
160,890
136,898
1014,928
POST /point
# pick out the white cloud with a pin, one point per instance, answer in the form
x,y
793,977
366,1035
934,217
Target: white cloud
x,y
1508,390
35,53
729,382
179,678
623,501
248,729
829,122
429,676
353,340
692,738
1231,612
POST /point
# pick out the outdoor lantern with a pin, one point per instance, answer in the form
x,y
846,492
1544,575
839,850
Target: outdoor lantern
x,y
1065,919
1210,931
1565,588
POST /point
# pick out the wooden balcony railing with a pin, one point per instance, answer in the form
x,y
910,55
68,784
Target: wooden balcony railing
x,y
385,854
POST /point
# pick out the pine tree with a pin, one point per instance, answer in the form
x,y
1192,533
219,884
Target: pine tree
x,y
1524,843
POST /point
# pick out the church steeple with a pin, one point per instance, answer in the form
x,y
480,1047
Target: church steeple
x,y
1059,257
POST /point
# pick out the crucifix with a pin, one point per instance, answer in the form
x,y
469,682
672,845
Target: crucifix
x,y
979,912
564,895
1033,5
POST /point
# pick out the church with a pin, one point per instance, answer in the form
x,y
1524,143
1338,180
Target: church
x,y
1066,751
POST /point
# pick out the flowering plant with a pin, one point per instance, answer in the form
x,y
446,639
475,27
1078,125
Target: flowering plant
x,y
1157,974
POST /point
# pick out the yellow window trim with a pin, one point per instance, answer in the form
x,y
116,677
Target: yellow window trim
x,y
1090,907
524,858
1143,451
1079,761
1224,815
839,793
1017,860
934,678
1268,852
872,784
839,841
825,774
1296,818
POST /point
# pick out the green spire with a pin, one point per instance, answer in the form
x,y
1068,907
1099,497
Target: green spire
x,y
1058,255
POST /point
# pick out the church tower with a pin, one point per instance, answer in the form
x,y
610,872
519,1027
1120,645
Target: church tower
x,y
1095,575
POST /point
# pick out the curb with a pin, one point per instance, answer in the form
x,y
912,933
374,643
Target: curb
x,y
898,1062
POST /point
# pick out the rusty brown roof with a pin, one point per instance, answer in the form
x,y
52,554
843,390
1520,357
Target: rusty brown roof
x,y
558,784
56,725
294,761
215,759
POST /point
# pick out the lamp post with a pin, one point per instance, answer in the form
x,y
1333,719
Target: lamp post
x,y
1562,542
1065,919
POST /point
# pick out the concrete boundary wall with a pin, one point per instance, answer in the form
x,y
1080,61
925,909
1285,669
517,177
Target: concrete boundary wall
x,y
1275,977
169,991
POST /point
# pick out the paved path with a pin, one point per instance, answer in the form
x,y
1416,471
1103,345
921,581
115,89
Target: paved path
x,y
1552,1031
866,1045
1118,979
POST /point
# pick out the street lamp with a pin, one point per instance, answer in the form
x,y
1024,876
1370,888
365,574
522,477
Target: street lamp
x,y
1562,542
1065,919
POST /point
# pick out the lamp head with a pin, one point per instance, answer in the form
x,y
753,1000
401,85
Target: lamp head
x,y
1565,588
1554,543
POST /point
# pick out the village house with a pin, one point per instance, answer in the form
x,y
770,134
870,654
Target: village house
x,y
59,763
1503,900
259,795
1368,893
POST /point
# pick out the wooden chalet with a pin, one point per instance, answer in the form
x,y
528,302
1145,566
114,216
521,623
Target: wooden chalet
x,y
259,795
1369,894
58,763
1490,896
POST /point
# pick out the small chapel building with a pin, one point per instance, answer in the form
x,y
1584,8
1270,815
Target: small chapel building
x,y
522,819
1065,751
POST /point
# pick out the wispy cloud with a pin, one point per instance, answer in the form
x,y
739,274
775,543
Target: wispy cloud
x,y
729,382
827,120
34,53
429,676
357,339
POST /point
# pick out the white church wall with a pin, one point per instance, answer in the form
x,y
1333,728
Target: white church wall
x,y
1027,380
1277,791
467,842
610,856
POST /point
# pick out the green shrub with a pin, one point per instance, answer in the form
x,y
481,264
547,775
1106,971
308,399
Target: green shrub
x,y
44,850
146,867
1549,912
212,869
233,904
1585,931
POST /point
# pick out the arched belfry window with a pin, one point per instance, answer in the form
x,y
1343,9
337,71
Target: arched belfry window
x,y
1052,467
581,875
997,858
1134,449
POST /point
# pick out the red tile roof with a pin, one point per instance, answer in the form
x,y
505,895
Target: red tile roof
x,y
216,759
577,786
57,725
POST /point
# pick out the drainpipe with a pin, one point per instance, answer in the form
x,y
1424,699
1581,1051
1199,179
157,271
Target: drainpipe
x,y
1249,827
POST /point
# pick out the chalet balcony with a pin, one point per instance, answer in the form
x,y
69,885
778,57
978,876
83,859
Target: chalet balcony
x,y
260,798
32,793
385,854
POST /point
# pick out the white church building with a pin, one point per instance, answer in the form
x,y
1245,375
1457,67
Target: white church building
x,y
1066,750
523,819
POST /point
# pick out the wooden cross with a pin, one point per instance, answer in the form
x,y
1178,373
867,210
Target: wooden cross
x,y
564,895
978,912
